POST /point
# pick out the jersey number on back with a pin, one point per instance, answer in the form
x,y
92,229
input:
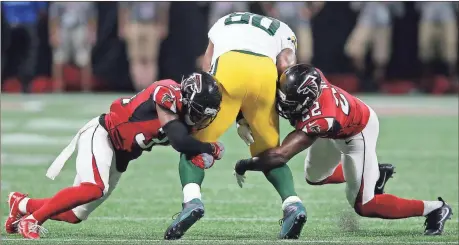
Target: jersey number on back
x,y
144,144
267,24
341,101
126,101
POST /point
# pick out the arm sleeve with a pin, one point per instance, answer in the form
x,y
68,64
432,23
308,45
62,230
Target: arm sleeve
x,y
182,141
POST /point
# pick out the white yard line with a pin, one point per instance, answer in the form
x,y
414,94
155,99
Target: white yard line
x,y
316,219
267,202
20,139
26,159
257,219
220,241
55,124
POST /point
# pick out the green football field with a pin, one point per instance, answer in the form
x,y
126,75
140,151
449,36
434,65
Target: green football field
x,y
418,134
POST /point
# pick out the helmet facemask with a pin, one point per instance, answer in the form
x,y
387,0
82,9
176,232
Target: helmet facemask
x,y
295,97
290,109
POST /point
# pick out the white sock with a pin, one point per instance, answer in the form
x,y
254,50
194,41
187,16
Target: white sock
x,y
191,191
430,206
23,205
290,200
30,217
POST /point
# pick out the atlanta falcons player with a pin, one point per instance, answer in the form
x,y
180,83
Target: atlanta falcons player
x,y
337,127
161,114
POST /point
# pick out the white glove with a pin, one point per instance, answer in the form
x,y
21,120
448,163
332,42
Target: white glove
x,y
244,131
240,179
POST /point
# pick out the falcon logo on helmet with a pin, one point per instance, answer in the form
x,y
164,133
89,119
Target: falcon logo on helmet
x,y
201,99
298,87
309,86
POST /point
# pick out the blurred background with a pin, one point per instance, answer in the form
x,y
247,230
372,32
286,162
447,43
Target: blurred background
x,y
384,47
379,48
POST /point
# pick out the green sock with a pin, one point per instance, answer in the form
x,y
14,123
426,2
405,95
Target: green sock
x,y
282,179
189,173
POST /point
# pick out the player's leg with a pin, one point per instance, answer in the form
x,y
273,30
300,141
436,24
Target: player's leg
x,y
258,109
82,212
30,205
82,47
382,39
322,164
93,162
361,172
428,34
449,49
191,176
61,56
357,44
229,108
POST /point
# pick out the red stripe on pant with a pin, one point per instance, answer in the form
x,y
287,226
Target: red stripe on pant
x,y
386,206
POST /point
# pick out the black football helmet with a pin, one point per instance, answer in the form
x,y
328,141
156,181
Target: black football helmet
x,y
201,98
297,89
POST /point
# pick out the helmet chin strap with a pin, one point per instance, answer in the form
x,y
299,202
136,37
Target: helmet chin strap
x,y
188,120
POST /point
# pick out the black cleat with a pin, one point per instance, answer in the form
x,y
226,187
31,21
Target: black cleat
x,y
386,170
191,213
435,221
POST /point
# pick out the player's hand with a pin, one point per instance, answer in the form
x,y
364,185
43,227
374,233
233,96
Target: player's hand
x,y
218,150
239,172
203,161
244,131
240,179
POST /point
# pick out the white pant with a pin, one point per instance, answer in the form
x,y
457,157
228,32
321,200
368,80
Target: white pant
x,y
95,163
358,155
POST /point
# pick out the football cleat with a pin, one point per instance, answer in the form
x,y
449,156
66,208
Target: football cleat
x,y
14,198
192,211
30,229
435,221
293,221
386,171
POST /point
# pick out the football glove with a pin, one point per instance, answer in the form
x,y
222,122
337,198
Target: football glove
x,y
244,131
218,150
203,161
239,172
240,179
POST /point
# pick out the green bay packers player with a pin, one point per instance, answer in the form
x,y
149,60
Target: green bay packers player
x,y
246,52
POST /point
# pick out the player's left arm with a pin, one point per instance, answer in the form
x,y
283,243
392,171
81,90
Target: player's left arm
x,y
287,57
176,131
207,59
295,142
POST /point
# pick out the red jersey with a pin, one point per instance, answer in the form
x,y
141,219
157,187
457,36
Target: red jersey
x,y
335,114
133,123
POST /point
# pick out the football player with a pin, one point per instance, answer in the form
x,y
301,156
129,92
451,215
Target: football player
x,y
334,125
161,114
246,52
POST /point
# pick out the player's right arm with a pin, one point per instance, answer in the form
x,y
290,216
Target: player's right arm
x,y
295,142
